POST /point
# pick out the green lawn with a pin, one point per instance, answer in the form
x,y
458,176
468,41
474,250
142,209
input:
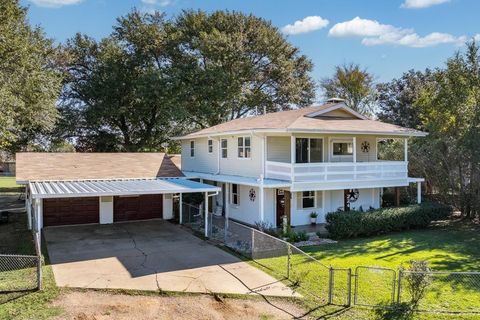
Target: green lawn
x,y
8,185
447,248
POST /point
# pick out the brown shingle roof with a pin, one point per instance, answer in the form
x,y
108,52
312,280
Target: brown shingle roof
x,y
78,166
299,119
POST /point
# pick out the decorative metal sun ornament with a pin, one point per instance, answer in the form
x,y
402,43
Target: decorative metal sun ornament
x,y
252,195
365,146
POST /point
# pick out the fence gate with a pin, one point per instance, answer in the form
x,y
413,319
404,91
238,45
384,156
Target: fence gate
x,y
374,286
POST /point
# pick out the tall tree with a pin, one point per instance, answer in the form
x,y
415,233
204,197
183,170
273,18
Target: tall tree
x,y
396,99
450,111
29,82
118,93
228,64
352,83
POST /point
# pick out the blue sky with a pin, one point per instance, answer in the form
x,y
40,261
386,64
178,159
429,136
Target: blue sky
x,y
387,37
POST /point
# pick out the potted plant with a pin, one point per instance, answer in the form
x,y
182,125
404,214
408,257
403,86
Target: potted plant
x,y
313,217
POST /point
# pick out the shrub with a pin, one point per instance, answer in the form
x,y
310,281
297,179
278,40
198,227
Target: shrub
x,y
353,224
292,236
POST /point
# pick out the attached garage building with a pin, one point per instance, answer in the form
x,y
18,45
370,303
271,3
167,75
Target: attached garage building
x,y
85,188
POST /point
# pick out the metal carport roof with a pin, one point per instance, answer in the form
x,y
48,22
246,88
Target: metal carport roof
x,y
89,188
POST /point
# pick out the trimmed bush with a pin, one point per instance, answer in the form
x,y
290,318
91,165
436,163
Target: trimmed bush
x,y
351,224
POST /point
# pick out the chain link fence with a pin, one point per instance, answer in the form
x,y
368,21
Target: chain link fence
x,y
372,286
444,291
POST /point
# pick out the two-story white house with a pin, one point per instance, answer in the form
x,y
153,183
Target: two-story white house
x,y
316,159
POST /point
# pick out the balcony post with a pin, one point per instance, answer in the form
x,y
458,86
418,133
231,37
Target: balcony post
x,y
354,149
292,156
419,192
405,150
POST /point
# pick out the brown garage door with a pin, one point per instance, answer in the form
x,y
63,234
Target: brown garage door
x,y
137,207
64,211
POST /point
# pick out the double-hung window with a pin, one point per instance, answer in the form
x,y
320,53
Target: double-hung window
x,y
235,194
308,150
309,199
224,146
192,148
244,147
210,146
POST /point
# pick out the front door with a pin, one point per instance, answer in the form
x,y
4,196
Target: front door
x,y
280,207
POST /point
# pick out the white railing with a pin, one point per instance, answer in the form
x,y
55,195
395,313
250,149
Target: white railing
x,y
337,171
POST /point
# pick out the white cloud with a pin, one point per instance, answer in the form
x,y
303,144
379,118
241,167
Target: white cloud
x,y
374,33
476,37
54,3
157,3
308,24
420,4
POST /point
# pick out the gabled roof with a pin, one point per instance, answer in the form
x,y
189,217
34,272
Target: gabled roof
x,y
46,166
316,119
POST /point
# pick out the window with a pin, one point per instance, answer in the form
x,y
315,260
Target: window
x,y
308,150
235,194
244,147
308,199
192,149
342,149
210,146
224,148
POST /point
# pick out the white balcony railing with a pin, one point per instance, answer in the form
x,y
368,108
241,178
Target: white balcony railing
x,y
337,171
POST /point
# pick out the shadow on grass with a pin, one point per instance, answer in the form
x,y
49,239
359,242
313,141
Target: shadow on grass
x,y
7,296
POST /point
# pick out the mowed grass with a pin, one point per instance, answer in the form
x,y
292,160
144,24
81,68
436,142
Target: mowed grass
x,y
450,247
9,185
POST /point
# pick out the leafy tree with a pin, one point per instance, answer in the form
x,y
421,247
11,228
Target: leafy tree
x,y
228,64
118,93
396,99
450,112
352,83
29,82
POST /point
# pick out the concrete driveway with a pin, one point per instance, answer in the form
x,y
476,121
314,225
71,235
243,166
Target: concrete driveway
x,y
150,255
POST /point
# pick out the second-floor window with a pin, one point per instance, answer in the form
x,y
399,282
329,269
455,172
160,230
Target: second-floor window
x,y
235,194
244,147
210,146
224,146
192,149
342,148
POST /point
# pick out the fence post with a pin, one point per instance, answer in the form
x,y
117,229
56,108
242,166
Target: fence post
x,y
349,288
330,286
289,251
39,261
399,289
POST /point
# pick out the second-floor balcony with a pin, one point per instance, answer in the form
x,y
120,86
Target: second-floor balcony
x,y
346,167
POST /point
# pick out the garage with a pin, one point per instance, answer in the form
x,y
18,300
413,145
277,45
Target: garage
x,y
139,207
69,211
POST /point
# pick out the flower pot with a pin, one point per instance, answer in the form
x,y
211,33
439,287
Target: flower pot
x,y
313,220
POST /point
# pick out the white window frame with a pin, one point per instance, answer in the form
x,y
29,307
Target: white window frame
x,y
244,147
333,141
210,145
317,197
192,148
222,148
233,193
309,138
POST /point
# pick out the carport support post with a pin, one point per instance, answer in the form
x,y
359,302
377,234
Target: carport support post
x,y
28,204
180,209
206,214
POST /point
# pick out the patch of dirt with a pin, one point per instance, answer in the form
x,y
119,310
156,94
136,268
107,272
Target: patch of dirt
x,y
94,305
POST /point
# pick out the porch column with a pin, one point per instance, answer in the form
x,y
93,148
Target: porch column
x,y
261,201
227,204
397,196
405,150
419,192
206,214
354,143
180,209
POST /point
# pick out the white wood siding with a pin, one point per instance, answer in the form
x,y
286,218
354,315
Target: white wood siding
x,y
202,161
278,149
245,167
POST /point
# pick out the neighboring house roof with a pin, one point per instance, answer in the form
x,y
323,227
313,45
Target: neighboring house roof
x,y
327,118
43,166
